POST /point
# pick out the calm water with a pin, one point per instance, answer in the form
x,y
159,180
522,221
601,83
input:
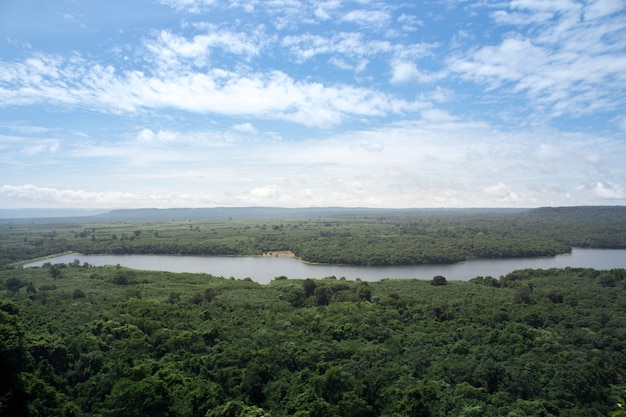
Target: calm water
x,y
264,269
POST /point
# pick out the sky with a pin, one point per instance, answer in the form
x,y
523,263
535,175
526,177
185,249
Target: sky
x,y
312,103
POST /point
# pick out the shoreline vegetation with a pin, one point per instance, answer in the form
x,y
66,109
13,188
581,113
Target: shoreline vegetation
x,y
280,254
42,258
332,236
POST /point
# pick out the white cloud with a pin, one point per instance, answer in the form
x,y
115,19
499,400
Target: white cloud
x,y
78,198
513,59
245,128
147,136
409,22
269,95
437,161
608,191
368,18
41,148
601,8
37,196
408,71
545,5
356,66
372,146
437,115
621,122
404,71
267,192
191,6
351,51
563,64
503,17
349,44
22,128
172,50
325,9
501,192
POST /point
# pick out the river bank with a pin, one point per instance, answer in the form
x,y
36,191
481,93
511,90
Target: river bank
x,y
264,269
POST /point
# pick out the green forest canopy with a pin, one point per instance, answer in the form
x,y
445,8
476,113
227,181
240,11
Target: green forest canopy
x,y
77,340
344,236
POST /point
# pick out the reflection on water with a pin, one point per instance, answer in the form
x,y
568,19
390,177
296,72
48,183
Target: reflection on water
x,y
264,269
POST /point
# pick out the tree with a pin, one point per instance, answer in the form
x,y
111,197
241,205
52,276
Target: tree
x,y
438,280
364,292
210,294
14,284
524,295
148,397
322,296
605,279
12,396
124,277
309,287
237,409
55,271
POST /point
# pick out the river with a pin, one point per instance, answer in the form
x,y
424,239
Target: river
x,y
263,269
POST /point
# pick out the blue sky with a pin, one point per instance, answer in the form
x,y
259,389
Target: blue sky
x,y
300,103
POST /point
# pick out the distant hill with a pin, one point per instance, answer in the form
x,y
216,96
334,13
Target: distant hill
x,y
220,213
583,214
217,213
43,213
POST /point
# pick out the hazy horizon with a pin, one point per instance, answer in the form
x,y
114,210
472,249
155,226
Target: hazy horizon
x,y
61,212
312,103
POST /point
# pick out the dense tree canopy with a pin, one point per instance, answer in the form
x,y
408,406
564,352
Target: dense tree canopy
x,y
531,343
374,238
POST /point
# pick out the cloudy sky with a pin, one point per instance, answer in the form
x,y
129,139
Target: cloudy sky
x,y
299,103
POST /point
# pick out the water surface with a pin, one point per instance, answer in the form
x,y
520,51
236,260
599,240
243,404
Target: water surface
x,y
263,269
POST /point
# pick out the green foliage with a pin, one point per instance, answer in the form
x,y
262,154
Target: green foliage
x,y
620,406
311,347
12,363
383,237
124,277
14,284
237,409
438,280
146,397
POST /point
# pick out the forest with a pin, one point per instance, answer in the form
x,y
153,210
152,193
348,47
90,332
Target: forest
x,y
78,340
334,236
